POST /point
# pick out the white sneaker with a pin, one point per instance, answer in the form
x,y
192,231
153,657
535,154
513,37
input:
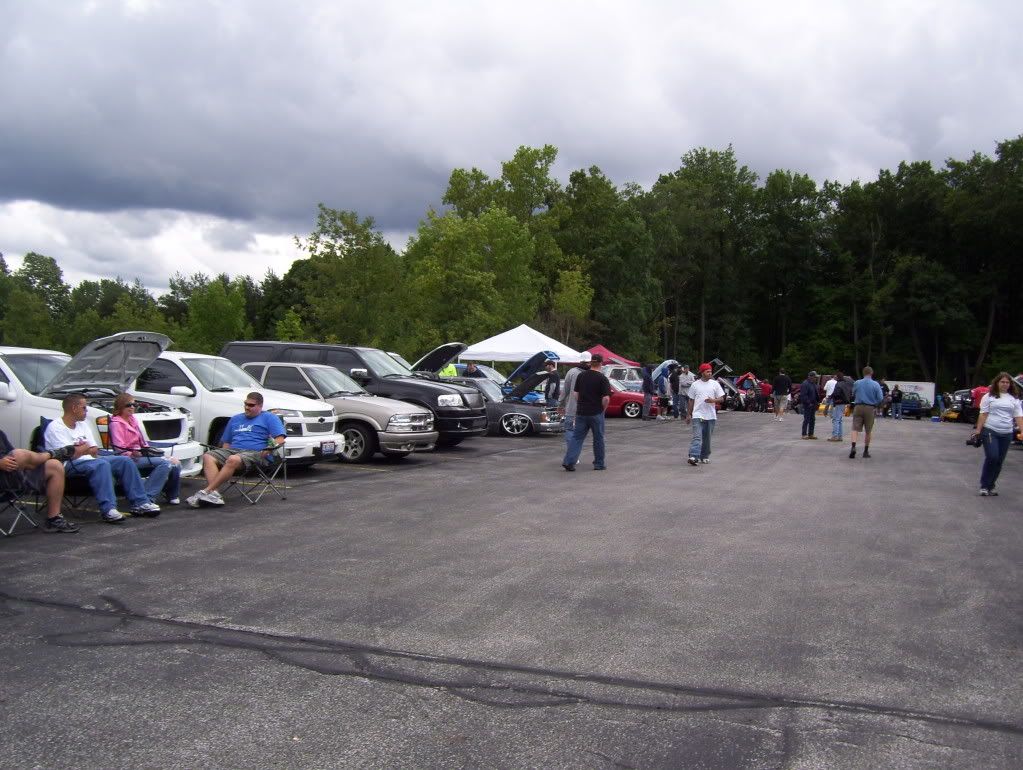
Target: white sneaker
x,y
693,461
213,498
193,501
174,501
113,516
147,508
705,460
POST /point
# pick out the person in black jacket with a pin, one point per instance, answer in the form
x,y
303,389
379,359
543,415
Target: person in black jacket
x,y
840,397
648,392
809,397
782,385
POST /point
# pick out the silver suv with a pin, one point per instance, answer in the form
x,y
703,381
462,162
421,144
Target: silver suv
x,y
368,423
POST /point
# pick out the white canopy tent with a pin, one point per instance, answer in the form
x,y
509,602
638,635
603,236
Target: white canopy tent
x,y
518,344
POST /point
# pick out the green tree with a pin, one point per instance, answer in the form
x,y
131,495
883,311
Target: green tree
x,y
216,314
41,276
572,301
26,319
289,327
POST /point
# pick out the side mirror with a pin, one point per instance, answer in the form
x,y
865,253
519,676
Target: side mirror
x,y
182,390
359,374
6,392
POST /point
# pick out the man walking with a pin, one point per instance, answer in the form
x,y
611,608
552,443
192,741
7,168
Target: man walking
x,y
567,399
648,391
782,386
685,382
840,396
552,388
867,397
829,389
593,391
673,389
704,396
809,397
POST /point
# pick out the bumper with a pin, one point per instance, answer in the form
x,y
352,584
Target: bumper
x,y
406,442
462,425
306,450
188,454
549,427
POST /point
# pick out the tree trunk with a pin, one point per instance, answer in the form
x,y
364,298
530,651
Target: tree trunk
x,y
856,339
987,339
914,335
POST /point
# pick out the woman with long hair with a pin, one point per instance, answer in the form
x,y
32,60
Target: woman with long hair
x,y
999,409
164,474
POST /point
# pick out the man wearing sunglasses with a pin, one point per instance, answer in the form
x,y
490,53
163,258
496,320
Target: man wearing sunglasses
x,y
246,440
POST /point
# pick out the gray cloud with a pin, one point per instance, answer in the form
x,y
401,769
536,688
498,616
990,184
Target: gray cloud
x,y
253,112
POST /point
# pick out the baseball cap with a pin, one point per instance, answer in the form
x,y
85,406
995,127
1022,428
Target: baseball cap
x,y
706,368
585,357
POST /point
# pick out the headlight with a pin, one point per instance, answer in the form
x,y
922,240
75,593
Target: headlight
x,y
285,412
452,399
401,423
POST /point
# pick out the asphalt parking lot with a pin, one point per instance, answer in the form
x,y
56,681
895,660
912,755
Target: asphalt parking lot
x,y
781,607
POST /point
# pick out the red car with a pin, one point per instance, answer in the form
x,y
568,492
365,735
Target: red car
x,y
626,403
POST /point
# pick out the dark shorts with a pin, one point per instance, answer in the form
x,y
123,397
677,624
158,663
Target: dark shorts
x,y
249,457
863,417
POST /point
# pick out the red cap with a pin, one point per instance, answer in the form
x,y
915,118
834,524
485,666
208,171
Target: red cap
x,y
706,368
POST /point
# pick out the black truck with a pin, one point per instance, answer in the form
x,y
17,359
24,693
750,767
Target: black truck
x,y
459,411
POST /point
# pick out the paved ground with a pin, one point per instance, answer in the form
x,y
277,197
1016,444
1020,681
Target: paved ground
x,y
782,607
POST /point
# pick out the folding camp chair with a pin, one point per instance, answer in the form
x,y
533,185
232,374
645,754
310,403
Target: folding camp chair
x,y
14,488
270,475
76,489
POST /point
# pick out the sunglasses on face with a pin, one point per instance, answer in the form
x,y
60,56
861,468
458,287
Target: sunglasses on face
x,y
132,405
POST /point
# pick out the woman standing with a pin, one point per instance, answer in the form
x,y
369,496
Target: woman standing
x,y
126,438
998,410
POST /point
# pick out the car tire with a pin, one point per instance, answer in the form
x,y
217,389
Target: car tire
x,y
360,443
632,409
515,425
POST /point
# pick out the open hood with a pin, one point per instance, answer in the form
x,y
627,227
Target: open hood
x,y
108,364
438,358
662,368
527,385
530,366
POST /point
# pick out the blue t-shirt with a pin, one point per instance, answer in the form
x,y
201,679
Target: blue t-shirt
x,y
252,433
867,391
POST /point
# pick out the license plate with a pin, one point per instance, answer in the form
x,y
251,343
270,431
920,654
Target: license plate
x,y
327,447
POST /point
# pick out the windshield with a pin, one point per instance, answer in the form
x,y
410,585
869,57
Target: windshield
x,y
384,365
492,374
219,373
615,384
490,389
330,381
400,359
35,370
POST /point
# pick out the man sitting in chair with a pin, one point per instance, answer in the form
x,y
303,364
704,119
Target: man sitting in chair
x,y
44,471
248,438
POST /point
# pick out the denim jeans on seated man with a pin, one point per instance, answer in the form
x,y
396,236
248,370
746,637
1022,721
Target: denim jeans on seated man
x,y
101,472
699,447
584,424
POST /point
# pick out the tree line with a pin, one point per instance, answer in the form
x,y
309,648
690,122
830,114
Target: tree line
x,y
915,273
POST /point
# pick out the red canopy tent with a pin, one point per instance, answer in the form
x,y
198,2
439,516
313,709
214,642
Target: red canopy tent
x,y
610,357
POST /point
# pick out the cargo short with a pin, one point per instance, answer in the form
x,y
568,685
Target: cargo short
x,y
863,417
249,457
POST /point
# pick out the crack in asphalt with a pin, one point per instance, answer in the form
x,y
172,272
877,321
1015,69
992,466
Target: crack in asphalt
x,y
492,683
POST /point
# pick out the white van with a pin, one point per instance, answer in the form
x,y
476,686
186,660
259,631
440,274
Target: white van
x,y
33,382
213,390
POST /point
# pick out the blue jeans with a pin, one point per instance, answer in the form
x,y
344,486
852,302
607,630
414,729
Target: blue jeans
x,y
101,473
164,476
584,424
897,410
699,447
809,419
837,412
996,446
683,404
569,422
648,401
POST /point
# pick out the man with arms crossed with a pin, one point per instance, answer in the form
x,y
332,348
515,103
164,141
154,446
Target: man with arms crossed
x,y
247,439
704,396
593,393
867,397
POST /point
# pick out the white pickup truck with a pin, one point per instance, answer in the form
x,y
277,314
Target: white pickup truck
x,y
213,390
33,381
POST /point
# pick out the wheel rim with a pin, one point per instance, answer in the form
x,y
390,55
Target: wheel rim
x,y
355,445
632,409
515,424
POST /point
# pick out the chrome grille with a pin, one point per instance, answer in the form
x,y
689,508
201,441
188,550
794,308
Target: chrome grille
x,y
316,415
319,427
164,430
474,400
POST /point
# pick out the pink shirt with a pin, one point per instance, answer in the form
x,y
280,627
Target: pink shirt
x,y
125,434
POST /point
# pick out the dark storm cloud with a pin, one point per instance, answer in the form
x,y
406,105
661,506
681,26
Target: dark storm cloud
x,y
255,111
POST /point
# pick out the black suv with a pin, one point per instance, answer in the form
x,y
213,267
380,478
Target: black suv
x,y
459,412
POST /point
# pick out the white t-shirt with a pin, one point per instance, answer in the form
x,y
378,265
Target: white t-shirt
x,y
1000,412
829,387
60,435
701,390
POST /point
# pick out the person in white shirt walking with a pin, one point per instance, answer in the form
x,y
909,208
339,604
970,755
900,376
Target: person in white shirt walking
x,y
999,409
704,396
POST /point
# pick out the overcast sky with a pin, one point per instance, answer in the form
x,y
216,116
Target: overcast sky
x,y
143,137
